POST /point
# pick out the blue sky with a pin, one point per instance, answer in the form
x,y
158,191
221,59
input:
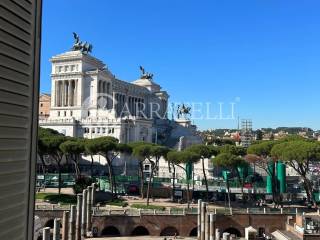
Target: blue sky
x,y
261,54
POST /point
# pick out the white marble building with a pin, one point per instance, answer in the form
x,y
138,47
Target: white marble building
x,y
88,101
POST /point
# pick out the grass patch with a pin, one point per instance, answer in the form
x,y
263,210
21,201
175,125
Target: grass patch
x,y
144,206
56,198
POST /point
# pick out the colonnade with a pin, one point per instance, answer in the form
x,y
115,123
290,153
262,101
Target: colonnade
x,y
66,92
125,103
104,94
76,223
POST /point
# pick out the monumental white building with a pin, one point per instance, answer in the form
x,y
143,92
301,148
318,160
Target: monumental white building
x,y
87,100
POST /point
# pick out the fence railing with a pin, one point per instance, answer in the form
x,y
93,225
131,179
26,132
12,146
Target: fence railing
x,y
105,211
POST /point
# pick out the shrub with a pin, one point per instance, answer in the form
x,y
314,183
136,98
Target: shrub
x,y
56,198
82,183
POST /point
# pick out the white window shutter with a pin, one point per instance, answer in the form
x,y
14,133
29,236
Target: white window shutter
x,y
20,25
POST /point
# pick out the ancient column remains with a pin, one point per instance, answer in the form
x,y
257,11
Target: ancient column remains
x,y
65,225
56,229
46,233
84,213
199,219
78,219
89,209
72,223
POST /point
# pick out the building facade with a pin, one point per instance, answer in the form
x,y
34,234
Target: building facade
x,y
87,100
44,105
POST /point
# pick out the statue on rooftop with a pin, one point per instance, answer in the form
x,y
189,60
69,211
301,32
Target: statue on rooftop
x,y
78,45
183,111
144,74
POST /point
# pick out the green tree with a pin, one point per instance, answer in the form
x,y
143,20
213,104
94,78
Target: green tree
x,y
183,159
73,149
91,148
298,154
156,151
52,146
142,151
205,152
259,135
260,155
105,146
230,162
42,148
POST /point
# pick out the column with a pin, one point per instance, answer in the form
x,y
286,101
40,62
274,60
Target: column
x,y
56,229
84,213
199,219
79,92
62,93
59,94
93,195
211,228
72,223
75,94
65,225
207,226
203,213
70,93
78,220
89,209
46,233
114,101
217,234
226,236
54,94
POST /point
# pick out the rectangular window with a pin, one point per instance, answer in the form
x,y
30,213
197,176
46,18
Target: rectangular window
x,y
98,130
58,113
93,130
65,113
71,113
103,130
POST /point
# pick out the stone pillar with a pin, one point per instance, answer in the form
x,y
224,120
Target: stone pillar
x,y
75,94
46,233
93,195
226,236
217,234
58,93
62,93
65,225
70,102
54,94
203,213
207,225
56,229
89,209
78,220
72,223
211,228
199,219
114,101
84,213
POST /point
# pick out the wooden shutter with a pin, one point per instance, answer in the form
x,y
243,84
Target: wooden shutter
x,y
20,24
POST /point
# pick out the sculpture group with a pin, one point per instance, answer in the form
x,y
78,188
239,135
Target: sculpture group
x,y
79,45
184,111
144,74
